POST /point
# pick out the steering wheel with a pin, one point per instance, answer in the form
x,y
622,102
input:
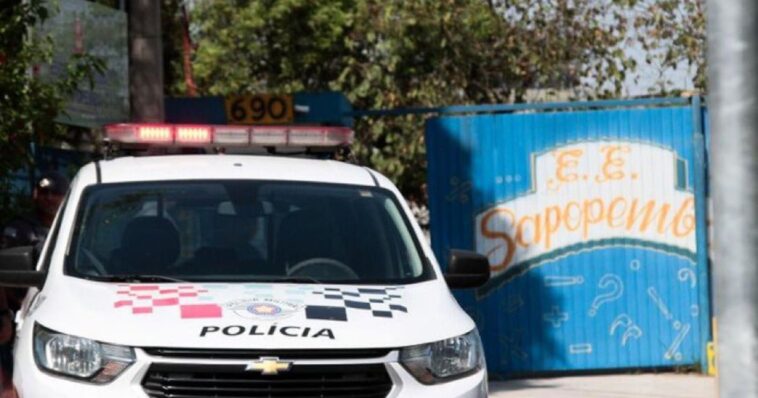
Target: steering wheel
x,y
335,264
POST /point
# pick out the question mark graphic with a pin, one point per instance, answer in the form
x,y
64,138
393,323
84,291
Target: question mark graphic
x,y
631,329
616,290
686,274
622,320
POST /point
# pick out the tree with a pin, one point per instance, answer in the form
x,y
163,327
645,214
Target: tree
x,y
28,103
172,32
401,53
672,34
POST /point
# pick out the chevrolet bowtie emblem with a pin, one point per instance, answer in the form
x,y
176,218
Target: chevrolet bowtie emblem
x,y
269,366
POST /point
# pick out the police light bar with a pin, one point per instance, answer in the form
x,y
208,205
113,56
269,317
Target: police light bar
x,y
185,135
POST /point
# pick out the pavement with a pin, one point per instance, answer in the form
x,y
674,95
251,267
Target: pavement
x,y
615,386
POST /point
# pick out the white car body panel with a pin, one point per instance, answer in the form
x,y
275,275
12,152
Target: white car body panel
x,y
98,311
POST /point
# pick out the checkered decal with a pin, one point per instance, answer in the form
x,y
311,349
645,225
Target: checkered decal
x,y
379,302
201,301
144,299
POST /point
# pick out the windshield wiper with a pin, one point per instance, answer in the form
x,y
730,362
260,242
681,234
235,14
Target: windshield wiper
x,y
135,278
293,279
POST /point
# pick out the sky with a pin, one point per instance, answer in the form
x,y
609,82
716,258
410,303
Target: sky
x,y
647,76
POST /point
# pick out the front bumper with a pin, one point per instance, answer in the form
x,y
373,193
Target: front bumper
x,y
31,382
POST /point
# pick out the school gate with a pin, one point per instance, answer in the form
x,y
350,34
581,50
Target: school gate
x,y
593,217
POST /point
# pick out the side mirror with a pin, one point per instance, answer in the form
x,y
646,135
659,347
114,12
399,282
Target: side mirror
x,y
17,259
467,269
17,268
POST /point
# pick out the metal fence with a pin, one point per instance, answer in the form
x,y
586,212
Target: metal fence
x,y
593,216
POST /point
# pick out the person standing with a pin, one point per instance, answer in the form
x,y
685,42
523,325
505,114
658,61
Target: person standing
x,y
26,230
31,229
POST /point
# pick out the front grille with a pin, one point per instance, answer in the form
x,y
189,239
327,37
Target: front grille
x,y
255,354
232,381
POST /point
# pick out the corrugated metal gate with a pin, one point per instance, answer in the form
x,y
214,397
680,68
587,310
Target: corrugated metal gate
x,y
594,224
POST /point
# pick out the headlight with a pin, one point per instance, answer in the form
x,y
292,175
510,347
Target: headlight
x,y
78,357
444,360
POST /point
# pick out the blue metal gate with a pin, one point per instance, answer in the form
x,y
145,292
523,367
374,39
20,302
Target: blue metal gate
x,y
594,222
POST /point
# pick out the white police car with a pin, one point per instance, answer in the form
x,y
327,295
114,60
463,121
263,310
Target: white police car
x,y
240,276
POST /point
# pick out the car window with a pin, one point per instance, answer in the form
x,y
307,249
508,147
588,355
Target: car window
x,y
244,231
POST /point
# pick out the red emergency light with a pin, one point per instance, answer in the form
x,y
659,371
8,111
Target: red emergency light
x,y
184,135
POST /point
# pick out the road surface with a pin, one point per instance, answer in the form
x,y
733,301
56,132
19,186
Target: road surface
x,y
617,386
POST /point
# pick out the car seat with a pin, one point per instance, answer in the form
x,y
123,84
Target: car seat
x,y
149,246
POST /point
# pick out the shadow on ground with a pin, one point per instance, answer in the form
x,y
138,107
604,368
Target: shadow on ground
x,y
518,385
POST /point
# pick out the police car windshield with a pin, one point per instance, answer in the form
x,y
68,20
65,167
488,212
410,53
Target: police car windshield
x,y
244,231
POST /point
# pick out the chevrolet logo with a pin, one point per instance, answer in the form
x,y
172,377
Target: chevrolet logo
x,y
268,366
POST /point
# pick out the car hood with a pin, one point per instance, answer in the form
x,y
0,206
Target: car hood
x,y
251,315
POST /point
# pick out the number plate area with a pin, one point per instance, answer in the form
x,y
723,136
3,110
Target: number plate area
x,y
259,109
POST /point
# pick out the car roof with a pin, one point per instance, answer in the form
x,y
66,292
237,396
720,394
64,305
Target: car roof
x,y
231,167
